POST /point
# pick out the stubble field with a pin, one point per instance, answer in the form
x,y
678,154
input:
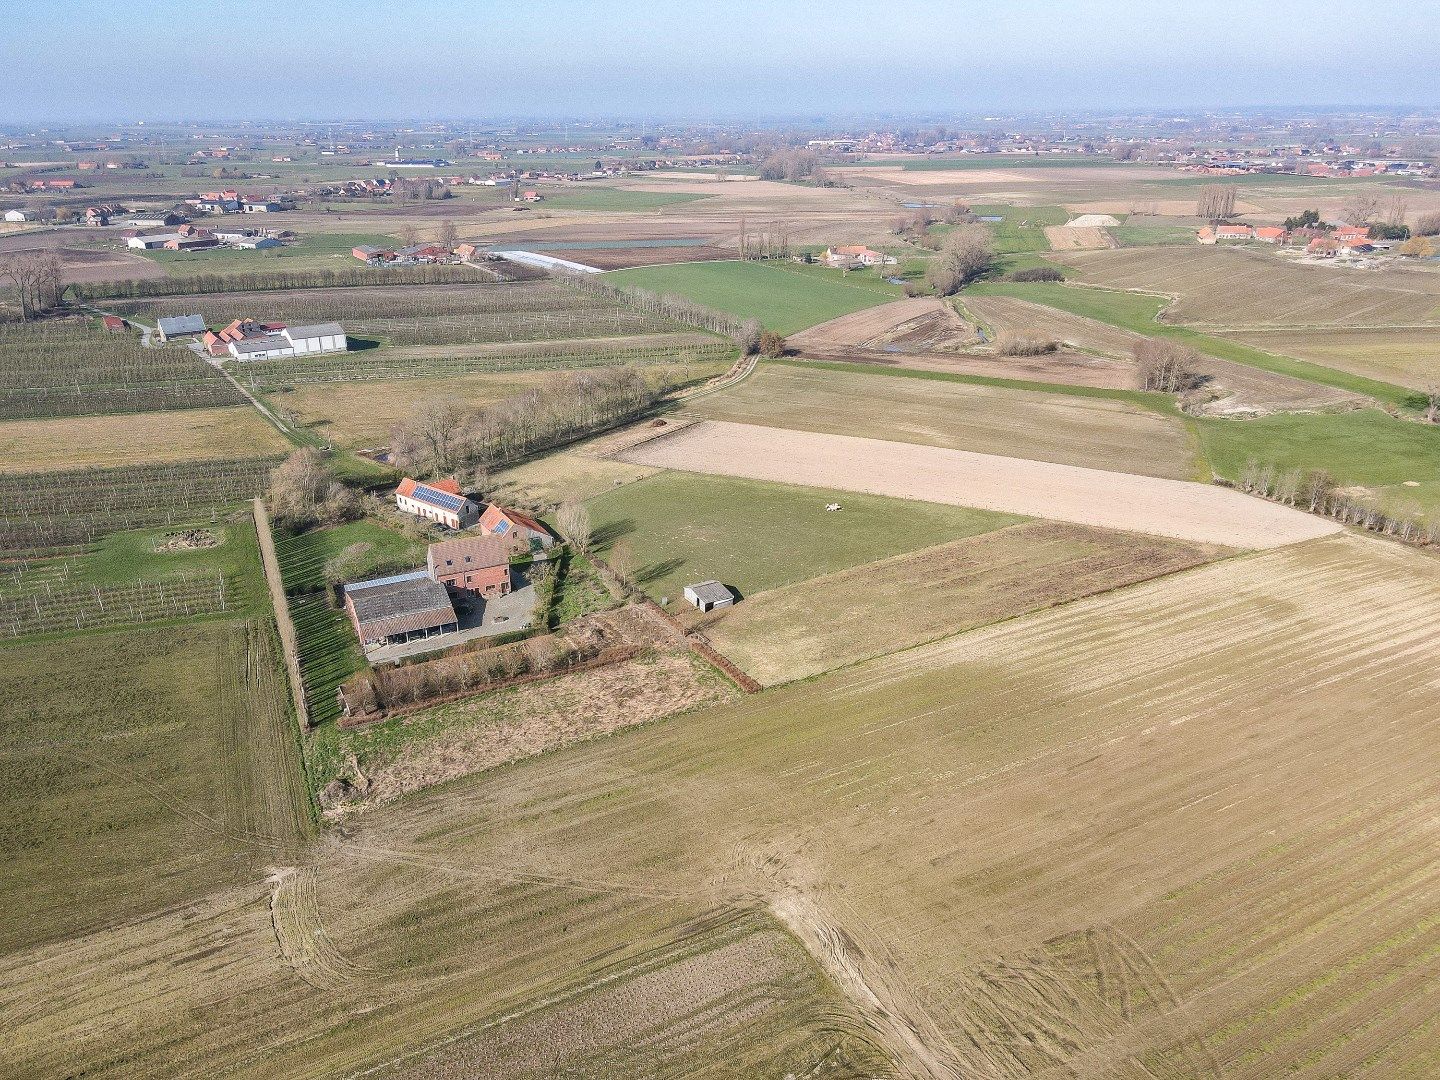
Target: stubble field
x,y
1092,433
1094,876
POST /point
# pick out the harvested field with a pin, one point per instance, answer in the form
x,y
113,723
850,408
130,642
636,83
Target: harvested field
x,y
185,781
904,601
567,474
1143,504
1078,238
361,414
917,325
1070,430
1225,288
1408,357
1183,829
621,258
136,438
682,528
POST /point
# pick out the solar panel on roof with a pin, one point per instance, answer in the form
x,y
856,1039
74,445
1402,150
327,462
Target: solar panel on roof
x,y
502,528
439,498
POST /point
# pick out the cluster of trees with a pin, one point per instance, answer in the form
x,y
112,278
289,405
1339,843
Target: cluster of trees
x,y
376,692
1315,490
917,224
303,493
1216,202
965,254
1036,273
772,345
770,242
418,189
37,281
1366,208
1306,219
789,165
1428,225
444,437
1166,366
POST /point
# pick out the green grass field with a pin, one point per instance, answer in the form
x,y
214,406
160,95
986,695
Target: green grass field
x,y
754,536
1023,229
615,199
784,300
1152,235
1369,449
313,251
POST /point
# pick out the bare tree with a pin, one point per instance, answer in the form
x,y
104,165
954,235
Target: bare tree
x,y
574,522
449,235
1216,202
622,561
965,254
409,235
303,493
1397,209
1361,208
1428,225
1166,366
1432,403
429,442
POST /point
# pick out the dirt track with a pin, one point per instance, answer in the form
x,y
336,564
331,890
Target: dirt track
x,y
1141,504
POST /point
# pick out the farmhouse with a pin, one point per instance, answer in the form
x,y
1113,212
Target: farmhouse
x,y
1271,234
467,251
16,215
855,255
1346,233
180,326
260,206
401,608
478,565
1234,232
279,340
442,502
422,253
521,531
707,595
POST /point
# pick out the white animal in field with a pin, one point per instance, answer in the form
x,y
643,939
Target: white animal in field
x,y
832,507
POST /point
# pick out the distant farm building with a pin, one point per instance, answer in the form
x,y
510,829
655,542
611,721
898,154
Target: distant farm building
x,y
521,531
478,565
392,610
708,595
1271,234
180,326
530,196
369,253
1234,232
851,255
1347,233
114,323
441,502
16,215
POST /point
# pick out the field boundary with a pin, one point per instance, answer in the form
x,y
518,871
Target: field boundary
x,y
283,623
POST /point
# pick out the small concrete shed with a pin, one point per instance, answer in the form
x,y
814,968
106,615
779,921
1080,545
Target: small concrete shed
x,y
708,595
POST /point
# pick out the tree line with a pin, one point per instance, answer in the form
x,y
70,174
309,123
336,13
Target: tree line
x,y
37,281
445,438
441,274
1317,492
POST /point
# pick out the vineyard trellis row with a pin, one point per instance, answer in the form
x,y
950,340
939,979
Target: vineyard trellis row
x,y
350,276
40,512
88,607
282,374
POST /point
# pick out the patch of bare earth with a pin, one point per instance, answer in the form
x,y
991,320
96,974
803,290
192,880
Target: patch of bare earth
x,y
1078,238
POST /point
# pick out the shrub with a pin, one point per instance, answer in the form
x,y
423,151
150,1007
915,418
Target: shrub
x,y
772,344
1021,345
1166,366
1037,273
1428,225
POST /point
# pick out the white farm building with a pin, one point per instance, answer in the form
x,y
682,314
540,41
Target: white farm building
x,y
292,341
708,595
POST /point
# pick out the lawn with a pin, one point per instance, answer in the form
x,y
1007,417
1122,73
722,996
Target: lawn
x,y
1139,312
137,438
312,251
615,199
784,300
754,535
139,769
1368,448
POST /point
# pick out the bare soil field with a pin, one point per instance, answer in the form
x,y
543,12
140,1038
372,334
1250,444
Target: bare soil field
x,y
569,474
897,603
1077,238
134,438
621,258
915,325
85,265
1224,288
1021,423
1409,357
1182,829
1144,504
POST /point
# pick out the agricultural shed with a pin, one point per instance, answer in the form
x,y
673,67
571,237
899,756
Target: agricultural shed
x,y
401,608
181,326
521,531
441,501
707,595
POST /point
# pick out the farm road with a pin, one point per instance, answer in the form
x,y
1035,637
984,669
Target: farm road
x,y
1109,500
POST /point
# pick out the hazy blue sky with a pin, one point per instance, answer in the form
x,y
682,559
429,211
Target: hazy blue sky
x,y
152,59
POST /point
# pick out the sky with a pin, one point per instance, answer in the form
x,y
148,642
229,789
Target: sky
x,y
123,60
